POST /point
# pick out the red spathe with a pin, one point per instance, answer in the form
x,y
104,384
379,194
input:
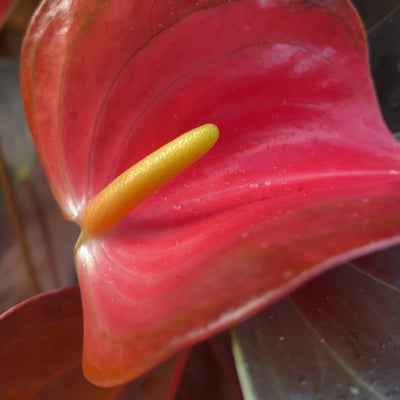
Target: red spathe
x,y
304,176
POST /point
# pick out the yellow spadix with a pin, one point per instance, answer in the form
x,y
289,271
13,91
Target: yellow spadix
x,y
134,185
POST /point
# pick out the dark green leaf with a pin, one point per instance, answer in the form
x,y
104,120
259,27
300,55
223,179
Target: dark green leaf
x,y
384,43
335,338
383,266
372,11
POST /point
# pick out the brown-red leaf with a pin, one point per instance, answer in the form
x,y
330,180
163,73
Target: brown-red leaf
x,y
41,354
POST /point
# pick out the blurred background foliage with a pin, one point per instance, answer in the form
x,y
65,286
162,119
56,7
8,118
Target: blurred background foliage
x,y
33,234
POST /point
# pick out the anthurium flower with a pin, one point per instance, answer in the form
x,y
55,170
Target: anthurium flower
x,y
305,174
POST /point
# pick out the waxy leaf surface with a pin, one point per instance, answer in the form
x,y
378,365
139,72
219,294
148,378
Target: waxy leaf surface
x,y
41,354
336,337
373,11
304,176
384,47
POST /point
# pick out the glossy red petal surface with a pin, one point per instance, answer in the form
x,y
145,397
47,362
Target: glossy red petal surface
x,y
305,174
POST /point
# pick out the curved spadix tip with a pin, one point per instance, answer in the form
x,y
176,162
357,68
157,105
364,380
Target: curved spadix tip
x,y
134,185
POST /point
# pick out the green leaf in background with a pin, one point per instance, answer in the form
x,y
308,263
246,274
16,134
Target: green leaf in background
x,y
336,338
384,44
383,265
15,139
372,11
